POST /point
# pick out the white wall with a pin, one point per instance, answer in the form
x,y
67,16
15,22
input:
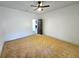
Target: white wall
x,y
63,23
14,24
1,36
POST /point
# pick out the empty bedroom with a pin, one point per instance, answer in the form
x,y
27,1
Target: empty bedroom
x,y
39,29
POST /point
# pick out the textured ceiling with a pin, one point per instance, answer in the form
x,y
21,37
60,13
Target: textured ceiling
x,y
25,5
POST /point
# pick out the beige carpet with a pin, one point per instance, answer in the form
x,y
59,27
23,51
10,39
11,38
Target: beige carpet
x,y
39,46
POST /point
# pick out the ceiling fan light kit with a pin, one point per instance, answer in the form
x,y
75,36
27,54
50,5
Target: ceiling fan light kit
x,y
40,9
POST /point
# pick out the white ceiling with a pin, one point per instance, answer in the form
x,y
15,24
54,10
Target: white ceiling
x,y
25,5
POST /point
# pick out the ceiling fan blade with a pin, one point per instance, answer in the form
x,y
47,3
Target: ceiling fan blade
x,y
33,6
46,6
36,8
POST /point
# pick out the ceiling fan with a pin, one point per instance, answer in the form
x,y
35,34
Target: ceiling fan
x,y
40,6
